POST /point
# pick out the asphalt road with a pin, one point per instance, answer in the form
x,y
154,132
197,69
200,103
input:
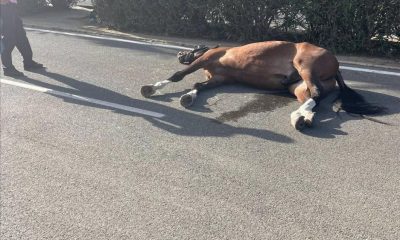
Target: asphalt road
x,y
230,167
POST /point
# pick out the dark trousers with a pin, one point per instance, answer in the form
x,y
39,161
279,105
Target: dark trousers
x,y
14,35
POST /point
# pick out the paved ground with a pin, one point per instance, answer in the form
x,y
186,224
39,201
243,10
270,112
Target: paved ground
x,y
230,167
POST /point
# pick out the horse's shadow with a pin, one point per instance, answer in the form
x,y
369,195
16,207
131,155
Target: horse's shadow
x,y
175,121
327,123
265,100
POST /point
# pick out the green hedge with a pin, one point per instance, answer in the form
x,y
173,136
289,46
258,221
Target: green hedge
x,y
353,25
365,26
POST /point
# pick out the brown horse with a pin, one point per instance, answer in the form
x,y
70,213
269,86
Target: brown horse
x,y
307,71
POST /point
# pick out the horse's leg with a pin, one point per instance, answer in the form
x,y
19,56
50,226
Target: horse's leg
x,y
304,116
149,90
187,99
308,93
313,85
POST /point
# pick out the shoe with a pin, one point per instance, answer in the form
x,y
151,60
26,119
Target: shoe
x,y
12,72
32,65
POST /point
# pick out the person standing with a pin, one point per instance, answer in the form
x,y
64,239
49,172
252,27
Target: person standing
x,y
14,35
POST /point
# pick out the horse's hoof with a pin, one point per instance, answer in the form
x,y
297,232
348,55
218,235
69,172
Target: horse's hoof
x,y
147,91
308,123
308,119
300,123
187,100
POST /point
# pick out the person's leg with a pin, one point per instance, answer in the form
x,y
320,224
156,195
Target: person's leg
x,y
24,47
22,42
8,14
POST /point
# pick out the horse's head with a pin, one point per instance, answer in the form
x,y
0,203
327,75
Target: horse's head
x,y
187,57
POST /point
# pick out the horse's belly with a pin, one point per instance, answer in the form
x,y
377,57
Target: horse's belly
x,y
271,82
258,70
268,74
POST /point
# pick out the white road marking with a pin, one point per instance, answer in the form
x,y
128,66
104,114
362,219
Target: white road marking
x,y
170,46
85,99
370,70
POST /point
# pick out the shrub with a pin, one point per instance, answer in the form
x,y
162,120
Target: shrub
x,y
355,25
342,25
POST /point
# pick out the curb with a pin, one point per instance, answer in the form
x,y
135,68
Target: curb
x,y
181,44
109,34
364,64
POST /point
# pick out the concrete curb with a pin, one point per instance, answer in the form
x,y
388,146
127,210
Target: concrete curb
x,y
364,64
109,34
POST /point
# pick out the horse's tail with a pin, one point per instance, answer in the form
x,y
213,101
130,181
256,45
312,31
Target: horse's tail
x,y
351,101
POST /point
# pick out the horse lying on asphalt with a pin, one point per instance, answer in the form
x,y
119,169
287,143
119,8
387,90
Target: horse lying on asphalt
x,y
305,70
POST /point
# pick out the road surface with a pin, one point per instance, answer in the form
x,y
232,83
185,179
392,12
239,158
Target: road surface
x,y
230,167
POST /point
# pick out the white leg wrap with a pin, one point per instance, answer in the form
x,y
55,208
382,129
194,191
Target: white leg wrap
x,y
193,93
305,110
307,106
187,99
161,84
294,117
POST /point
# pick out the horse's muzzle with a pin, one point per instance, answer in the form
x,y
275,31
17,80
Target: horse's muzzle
x,y
186,57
